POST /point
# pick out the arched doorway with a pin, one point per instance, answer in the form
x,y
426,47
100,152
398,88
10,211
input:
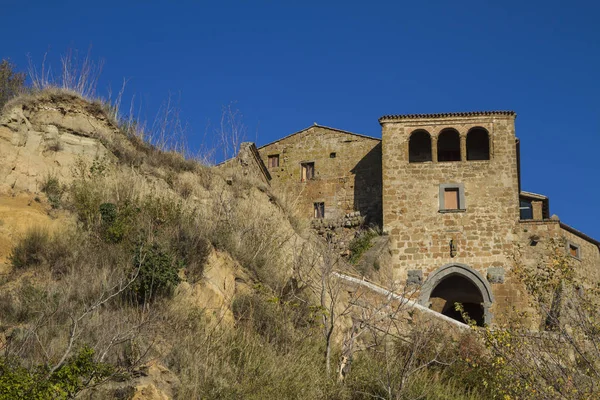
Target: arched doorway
x,y
458,283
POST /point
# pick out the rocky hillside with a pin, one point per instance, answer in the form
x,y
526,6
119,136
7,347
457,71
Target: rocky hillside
x,y
133,273
73,184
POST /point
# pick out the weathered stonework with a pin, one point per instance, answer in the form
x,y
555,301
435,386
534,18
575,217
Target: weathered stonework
x,y
495,275
446,189
485,232
347,172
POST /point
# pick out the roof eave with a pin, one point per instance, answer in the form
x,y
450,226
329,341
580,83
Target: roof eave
x,y
580,234
320,126
403,117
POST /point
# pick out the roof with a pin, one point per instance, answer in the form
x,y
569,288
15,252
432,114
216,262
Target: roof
x,y
320,126
446,115
539,197
580,234
533,195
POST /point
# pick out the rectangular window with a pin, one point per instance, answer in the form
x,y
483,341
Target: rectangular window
x,y
452,197
308,171
574,250
526,209
273,161
319,210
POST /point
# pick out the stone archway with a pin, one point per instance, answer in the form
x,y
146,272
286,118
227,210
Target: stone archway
x,y
458,283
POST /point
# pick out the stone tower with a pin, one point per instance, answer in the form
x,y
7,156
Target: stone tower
x,y
451,204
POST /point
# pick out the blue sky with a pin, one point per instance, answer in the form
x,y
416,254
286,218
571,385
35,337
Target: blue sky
x,y
285,65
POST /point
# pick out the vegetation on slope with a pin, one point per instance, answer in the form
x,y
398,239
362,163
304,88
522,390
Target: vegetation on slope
x,y
86,309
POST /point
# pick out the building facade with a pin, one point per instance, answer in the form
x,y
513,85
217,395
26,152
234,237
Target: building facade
x,y
446,190
327,173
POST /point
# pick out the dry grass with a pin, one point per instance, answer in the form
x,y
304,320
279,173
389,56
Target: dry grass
x,y
71,289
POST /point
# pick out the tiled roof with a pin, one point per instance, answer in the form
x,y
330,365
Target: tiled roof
x,y
446,115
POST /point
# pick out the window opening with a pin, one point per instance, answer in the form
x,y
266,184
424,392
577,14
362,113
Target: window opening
x,y
525,209
273,161
534,240
320,210
451,199
478,144
308,171
419,147
573,250
449,145
332,155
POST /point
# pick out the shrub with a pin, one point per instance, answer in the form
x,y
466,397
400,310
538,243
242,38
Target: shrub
x,y
267,317
157,273
30,250
78,372
193,249
86,198
53,190
11,83
361,244
23,303
116,224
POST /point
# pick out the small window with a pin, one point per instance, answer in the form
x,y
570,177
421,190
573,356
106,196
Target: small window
x,y
308,171
452,197
319,210
273,161
574,250
332,155
534,240
525,209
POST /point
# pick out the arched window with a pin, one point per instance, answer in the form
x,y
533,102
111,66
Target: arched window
x,y
448,145
419,147
478,144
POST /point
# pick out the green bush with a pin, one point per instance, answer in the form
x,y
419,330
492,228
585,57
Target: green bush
x,y
86,200
360,244
157,273
116,224
54,191
79,372
31,249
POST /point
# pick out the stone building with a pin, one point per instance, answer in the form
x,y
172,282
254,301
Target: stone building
x,y
327,173
446,190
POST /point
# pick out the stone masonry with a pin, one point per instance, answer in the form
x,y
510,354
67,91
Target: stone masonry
x,y
347,172
446,190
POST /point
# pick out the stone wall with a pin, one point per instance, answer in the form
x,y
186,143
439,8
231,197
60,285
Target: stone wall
x,y
482,233
347,172
365,180
540,241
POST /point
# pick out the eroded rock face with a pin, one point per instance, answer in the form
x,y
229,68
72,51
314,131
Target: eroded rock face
x,y
47,135
154,382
